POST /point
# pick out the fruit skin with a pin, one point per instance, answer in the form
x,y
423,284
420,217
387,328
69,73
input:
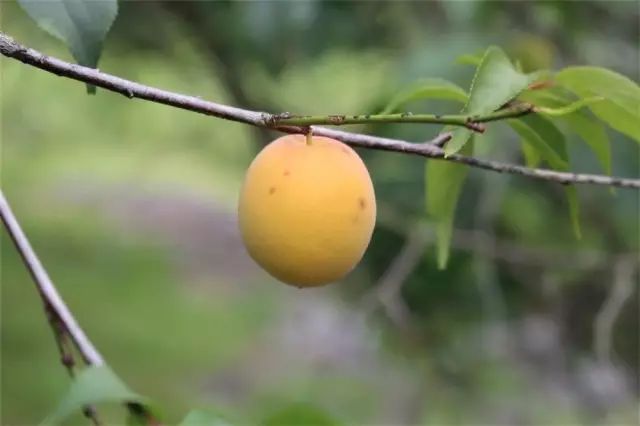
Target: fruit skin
x,y
307,211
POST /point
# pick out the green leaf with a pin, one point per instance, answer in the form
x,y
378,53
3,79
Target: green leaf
x,y
574,210
300,414
548,149
444,181
531,155
459,138
203,418
433,88
594,134
91,386
81,24
580,122
469,59
543,136
621,107
495,83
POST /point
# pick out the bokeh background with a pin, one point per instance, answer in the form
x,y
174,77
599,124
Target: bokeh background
x,y
131,207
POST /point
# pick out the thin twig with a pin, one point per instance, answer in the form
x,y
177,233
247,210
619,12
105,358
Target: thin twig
x,y
12,49
469,121
47,290
62,322
623,286
387,291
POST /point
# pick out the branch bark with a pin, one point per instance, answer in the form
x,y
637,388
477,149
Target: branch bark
x,y
10,48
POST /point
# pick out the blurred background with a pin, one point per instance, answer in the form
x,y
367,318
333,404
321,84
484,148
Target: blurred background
x,y
131,207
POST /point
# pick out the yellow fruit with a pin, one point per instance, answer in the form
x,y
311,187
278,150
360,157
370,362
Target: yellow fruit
x,y
307,211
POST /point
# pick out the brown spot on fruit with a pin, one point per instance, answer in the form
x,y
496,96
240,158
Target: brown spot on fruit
x,y
354,219
286,173
362,203
272,190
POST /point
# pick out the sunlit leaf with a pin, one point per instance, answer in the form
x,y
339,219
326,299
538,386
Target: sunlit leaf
x,y
81,24
433,88
495,83
621,107
93,385
444,181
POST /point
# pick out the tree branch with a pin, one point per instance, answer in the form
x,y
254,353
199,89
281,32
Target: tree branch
x,y
472,122
12,49
61,320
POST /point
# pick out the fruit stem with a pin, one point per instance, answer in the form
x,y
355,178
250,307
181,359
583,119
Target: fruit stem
x,y
309,136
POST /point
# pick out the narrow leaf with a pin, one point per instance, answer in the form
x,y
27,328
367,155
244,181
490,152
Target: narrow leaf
x,y
434,88
543,136
443,185
594,134
574,210
81,24
469,59
580,122
531,155
537,142
459,138
621,107
91,386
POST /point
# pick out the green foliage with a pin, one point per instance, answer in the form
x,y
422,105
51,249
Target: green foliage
x,y
495,83
578,120
300,414
443,185
621,106
93,385
544,137
81,24
432,88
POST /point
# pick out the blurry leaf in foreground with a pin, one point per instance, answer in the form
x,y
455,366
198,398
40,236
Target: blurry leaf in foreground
x,y
203,418
93,385
621,107
81,24
495,83
300,415
433,88
444,181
